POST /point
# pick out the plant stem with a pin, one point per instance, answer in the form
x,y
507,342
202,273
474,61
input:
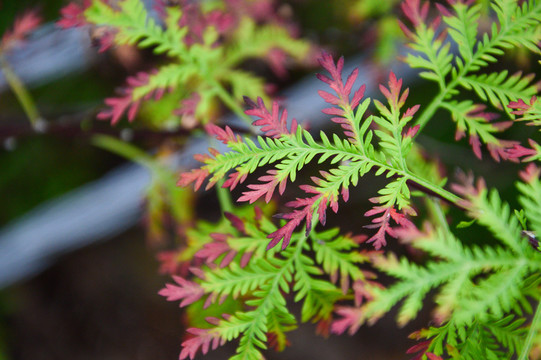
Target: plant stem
x,y
531,334
231,103
437,211
441,193
430,110
22,94
224,197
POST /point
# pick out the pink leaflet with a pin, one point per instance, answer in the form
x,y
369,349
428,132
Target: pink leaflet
x,y
264,189
421,350
23,25
204,339
125,103
343,91
225,136
234,179
392,94
415,13
351,320
188,292
530,174
236,222
272,124
196,175
73,15
188,105
518,151
295,218
212,251
383,224
520,107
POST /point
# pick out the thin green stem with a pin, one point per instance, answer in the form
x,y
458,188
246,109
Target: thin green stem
x,y
429,112
442,193
437,212
20,91
231,103
531,334
224,197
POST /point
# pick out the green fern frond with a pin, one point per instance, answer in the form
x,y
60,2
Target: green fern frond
x,y
264,281
473,282
463,28
500,89
517,25
207,67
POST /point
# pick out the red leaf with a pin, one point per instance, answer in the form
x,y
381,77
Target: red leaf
x,y
126,103
226,136
415,12
73,15
531,173
23,25
520,106
188,292
196,175
204,339
352,319
272,124
234,179
266,188
383,224
213,250
343,92
295,218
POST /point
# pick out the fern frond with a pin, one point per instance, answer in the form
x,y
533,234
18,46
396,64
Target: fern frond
x,y
529,112
205,60
496,338
500,89
463,28
289,151
264,282
473,282
472,118
517,25
530,198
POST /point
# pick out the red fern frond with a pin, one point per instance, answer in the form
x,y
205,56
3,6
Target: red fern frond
x,y
204,339
305,211
126,103
343,92
266,188
530,174
188,292
527,154
211,251
520,107
417,12
234,179
350,321
383,224
272,124
73,15
23,25
226,135
392,94
196,175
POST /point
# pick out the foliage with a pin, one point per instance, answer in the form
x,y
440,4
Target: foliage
x,y
482,286
237,264
207,44
516,25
